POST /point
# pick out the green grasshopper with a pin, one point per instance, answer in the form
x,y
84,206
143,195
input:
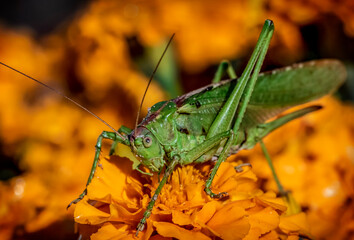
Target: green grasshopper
x,y
222,118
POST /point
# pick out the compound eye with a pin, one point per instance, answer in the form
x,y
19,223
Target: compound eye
x,y
147,142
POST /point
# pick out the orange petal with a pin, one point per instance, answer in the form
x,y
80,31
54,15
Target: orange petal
x,y
195,192
269,199
230,222
295,223
225,172
206,212
108,231
112,174
85,213
149,230
272,235
118,212
180,218
262,222
293,237
170,230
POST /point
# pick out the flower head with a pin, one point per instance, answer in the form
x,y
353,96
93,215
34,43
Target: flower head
x,y
117,198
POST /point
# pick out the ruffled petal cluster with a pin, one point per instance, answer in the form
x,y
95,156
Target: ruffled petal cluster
x,y
118,197
314,160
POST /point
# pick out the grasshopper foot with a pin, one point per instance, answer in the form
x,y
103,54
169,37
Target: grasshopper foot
x,y
239,168
140,226
82,195
221,195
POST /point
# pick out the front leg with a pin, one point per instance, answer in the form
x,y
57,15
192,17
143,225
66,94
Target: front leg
x,y
104,135
125,131
191,156
151,204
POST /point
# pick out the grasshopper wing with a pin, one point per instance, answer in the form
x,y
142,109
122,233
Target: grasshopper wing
x,y
274,92
283,88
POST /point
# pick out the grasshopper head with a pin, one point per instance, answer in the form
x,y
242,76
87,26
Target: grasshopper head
x,y
146,146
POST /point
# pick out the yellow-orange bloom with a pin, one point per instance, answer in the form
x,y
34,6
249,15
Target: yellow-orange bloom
x,y
314,159
117,197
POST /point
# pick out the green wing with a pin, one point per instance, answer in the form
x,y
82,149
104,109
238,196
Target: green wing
x,y
283,88
274,92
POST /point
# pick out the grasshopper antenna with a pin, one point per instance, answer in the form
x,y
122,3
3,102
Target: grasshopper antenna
x,y
66,97
151,77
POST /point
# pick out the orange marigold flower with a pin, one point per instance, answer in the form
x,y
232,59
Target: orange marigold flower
x,y
117,198
313,157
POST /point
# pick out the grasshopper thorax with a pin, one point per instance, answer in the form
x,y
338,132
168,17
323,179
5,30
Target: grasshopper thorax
x,y
147,148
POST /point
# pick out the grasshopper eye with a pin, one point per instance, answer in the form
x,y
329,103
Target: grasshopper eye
x,y
147,142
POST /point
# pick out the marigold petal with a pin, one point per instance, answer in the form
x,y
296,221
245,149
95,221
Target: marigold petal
x,y
195,192
206,212
180,218
270,200
120,213
224,173
236,184
233,230
272,235
108,174
236,226
170,230
149,230
85,213
295,223
110,232
246,204
293,237
262,222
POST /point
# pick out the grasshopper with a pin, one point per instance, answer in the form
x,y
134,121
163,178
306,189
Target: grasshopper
x,y
222,118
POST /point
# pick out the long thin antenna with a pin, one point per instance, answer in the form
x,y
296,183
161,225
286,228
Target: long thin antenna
x,y
66,97
151,77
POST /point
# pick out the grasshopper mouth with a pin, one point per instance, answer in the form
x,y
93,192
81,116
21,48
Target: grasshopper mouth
x,y
147,148
153,168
